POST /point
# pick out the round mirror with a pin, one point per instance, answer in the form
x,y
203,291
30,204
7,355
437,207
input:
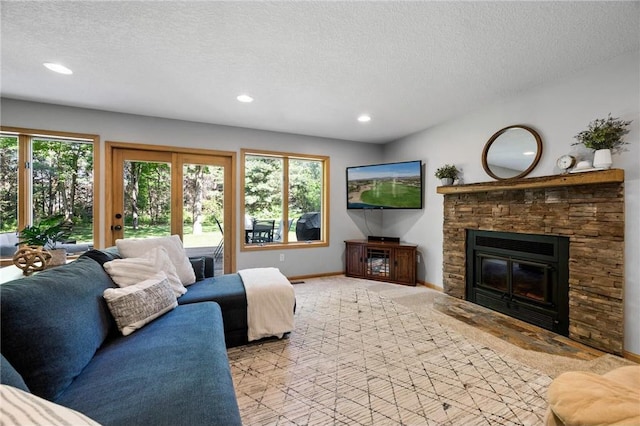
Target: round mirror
x,y
512,152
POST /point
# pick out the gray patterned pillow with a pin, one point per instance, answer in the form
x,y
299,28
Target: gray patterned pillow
x,y
139,304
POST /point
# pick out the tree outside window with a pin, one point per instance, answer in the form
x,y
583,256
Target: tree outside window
x,y
43,177
62,184
8,183
270,179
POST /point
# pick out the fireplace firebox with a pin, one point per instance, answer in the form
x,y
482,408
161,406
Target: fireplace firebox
x,y
525,276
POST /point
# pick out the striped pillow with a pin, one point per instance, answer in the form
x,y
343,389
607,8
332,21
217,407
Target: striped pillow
x,y
23,408
136,305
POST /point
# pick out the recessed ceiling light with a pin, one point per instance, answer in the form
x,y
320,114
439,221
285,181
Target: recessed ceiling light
x,y
245,98
60,69
528,153
364,118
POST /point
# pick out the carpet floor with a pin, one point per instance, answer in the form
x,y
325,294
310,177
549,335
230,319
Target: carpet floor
x,y
360,356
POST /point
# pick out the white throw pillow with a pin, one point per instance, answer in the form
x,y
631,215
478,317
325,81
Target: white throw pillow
x,y
136,247
132,270
23,408
136,305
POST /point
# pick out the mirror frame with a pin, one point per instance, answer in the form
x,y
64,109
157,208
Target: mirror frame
x,y
495,136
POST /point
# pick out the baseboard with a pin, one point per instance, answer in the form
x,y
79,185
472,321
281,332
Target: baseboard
x,y
429,285
333,274
631,356
295,278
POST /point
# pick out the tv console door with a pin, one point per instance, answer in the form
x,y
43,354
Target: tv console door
x,y
355,260
382,261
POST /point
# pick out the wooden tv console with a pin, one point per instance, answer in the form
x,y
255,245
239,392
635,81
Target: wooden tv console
x,y
382,261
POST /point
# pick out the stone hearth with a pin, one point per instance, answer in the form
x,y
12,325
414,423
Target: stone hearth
x,y
590,211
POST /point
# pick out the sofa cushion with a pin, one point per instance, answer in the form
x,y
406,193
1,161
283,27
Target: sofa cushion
x,y
209,266
136,247
584,398
161,374
133,270
198,265
9,375
134,306
53,322
102,256
20,408
228,292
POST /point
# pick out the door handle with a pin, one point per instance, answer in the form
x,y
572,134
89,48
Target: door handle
x,y
116,227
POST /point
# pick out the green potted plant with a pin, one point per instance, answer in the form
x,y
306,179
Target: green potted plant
x,y
604,137
47,234
447,174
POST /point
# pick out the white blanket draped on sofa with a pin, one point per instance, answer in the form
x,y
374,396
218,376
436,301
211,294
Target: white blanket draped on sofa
x,y
270,302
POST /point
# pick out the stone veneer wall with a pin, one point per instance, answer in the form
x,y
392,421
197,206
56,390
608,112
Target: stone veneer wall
x,y
592,216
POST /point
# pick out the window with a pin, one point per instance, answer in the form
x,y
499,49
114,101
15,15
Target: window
x,y
284,199
47,175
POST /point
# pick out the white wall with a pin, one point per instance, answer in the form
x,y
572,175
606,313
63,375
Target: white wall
x,y
157,131
557,112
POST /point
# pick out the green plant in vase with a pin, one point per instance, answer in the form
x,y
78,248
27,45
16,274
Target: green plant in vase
x,y
47,234
604,137
447,174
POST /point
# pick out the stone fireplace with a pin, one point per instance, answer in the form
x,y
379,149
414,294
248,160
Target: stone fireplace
x,y
587,208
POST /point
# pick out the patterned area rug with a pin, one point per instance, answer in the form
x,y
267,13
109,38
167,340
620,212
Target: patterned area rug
x,y
357,357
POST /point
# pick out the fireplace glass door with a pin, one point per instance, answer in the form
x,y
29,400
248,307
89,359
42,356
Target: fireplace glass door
x,y
515,278
530,280
493,273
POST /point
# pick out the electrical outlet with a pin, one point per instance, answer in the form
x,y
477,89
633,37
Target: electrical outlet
x,y
281,257
418,258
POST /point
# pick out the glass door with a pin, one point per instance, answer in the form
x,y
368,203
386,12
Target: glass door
x,y
161,193
378,262
206,209
142,196
531,280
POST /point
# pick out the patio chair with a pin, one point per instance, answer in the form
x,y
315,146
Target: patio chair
x,y
262,231
219,251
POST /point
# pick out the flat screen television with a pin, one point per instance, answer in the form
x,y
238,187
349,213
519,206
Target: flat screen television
x,y
385,186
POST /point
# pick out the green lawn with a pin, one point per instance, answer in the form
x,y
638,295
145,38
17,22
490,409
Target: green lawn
x,y
388,194
210,236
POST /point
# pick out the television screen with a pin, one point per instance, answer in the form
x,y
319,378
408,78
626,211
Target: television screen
x,y
385,186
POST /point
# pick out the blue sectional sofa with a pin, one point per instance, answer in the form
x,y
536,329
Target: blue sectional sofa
x,y
226,290
60,342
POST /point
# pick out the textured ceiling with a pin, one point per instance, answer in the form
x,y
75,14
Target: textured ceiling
x,y
312,67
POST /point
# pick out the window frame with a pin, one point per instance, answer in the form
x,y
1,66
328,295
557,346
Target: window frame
x,y
25,206
286,156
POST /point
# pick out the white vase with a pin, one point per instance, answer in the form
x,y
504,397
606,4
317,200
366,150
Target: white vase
x,y
446,181
602,159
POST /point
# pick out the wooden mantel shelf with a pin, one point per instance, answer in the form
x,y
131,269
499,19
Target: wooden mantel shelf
x,y
570,179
